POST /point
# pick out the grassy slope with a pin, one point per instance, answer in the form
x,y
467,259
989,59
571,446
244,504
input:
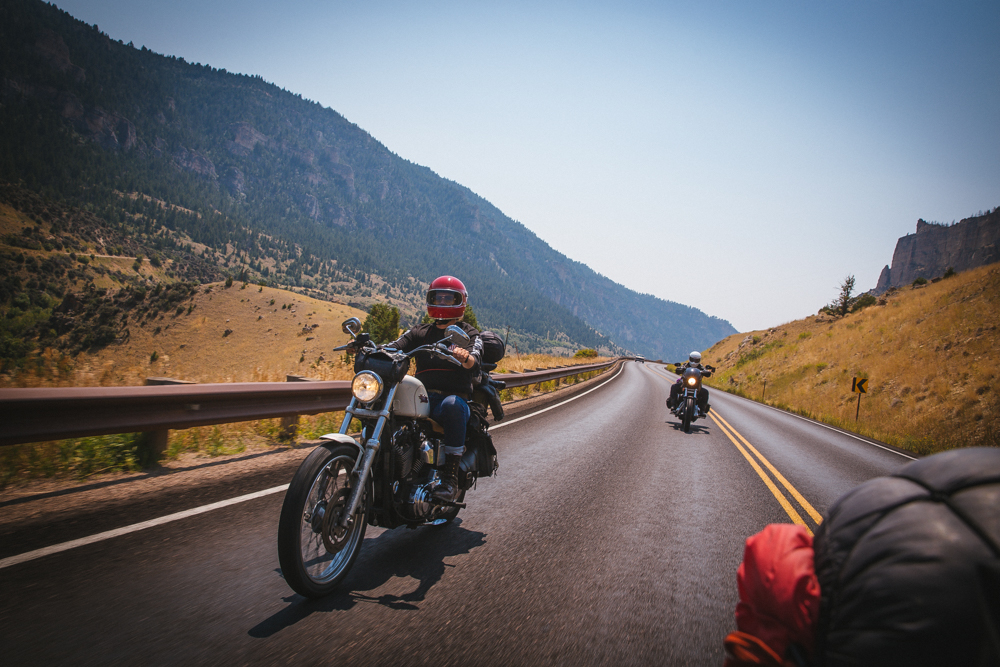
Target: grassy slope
x,y
930,354
267,341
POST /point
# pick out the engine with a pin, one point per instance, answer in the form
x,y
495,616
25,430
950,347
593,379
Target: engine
x,y
413,457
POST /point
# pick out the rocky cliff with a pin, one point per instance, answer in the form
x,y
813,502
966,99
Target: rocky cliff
x,y
935,248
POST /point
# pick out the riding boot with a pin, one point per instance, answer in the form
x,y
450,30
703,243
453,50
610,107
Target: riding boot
x,y
447,489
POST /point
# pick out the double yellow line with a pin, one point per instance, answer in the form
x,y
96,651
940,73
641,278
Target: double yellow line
x,y
736,439
793,514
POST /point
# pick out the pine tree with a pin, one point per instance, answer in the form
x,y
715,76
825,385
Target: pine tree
x,y
382,323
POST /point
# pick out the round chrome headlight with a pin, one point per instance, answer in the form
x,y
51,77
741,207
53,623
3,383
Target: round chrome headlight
x,y
366,386
692,381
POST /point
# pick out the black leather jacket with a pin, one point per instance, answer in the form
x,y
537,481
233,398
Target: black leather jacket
x,y
438,374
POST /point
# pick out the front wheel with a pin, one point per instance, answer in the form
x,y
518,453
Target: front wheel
x,y
314,551
688,412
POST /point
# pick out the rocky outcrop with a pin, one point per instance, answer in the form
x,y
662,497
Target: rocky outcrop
x,y
235,182
110,130
935,248
53,50
245,138
310,205
194,161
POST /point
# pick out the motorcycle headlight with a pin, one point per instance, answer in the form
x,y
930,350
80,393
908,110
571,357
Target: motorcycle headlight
x,y
692,381
366,386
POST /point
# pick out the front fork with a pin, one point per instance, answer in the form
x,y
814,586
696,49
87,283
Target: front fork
x,y
371,447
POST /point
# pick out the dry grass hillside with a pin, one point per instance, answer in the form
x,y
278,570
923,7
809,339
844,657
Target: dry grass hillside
x,y
219,335
234,334
930,354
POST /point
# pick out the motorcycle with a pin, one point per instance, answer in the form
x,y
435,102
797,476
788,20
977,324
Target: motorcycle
x,y
385,476
687,409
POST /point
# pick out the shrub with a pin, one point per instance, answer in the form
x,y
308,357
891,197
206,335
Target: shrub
x,y
153,357
949,273
585,353
919,281
863,301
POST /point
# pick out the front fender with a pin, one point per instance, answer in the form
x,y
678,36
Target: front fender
x,y
344,439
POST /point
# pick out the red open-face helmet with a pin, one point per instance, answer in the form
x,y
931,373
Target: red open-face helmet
x,y
446,298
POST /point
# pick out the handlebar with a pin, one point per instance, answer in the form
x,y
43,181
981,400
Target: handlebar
x,y
437,349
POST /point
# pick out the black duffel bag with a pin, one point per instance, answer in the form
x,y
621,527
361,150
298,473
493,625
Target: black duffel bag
x,y
909,566
493,347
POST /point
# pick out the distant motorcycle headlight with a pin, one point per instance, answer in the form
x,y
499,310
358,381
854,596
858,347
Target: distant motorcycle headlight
x,y
692,381
366,386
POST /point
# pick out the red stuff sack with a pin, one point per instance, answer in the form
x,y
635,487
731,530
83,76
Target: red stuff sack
x,y
779,597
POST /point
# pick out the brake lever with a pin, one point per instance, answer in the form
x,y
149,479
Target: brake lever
x,y
443,352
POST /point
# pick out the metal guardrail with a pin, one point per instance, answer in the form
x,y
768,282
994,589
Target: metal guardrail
x,y
34,415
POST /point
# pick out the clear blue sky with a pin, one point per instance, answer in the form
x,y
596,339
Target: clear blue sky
x,y
742,157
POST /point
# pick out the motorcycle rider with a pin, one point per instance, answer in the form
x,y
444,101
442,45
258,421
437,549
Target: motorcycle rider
x,y
449,387
694,361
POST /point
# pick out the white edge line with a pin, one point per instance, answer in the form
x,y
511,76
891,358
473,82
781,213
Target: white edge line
x,y
107,535
552,407
818,423
832,428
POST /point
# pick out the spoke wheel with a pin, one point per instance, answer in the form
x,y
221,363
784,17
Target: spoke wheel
x,y
315,552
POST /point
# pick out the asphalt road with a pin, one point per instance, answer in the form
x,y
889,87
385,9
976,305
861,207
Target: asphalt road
x,y
608,537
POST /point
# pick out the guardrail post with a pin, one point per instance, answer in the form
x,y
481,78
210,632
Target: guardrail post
x,y
289,425
153,444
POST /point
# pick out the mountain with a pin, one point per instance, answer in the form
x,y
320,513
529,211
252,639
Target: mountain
x,y
266,186
935,248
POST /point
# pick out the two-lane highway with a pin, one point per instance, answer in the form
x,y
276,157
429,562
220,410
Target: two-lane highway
x,y
609,536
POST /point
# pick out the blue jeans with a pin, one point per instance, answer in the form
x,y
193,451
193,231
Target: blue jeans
x,y
453,413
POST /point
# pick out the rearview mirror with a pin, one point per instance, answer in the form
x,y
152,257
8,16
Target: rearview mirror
x,y
352,327
457,336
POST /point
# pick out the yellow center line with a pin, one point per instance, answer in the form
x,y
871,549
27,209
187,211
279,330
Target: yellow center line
x,y
730,432
810,510
787,506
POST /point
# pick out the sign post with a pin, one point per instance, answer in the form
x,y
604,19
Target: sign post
x,y
859,387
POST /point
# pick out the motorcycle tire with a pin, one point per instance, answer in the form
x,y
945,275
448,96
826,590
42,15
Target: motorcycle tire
x,y
306,534
688,411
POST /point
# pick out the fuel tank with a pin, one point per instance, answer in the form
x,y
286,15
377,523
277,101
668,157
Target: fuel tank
x,y
411,399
